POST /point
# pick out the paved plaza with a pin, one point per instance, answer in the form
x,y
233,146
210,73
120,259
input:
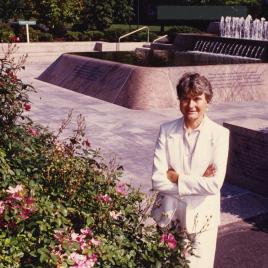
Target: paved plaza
x,y
130,135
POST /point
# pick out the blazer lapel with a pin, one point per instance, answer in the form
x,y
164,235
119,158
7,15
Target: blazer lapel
x,y
175,148
201,153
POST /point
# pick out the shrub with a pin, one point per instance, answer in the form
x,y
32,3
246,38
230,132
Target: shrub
x,y
35,35
47,37
62,204
112,35
94,35
59,30
79,27
142,36
180,29
73,36
6,32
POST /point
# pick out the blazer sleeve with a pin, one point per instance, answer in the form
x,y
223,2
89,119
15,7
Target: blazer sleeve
x,y
160,181
199,185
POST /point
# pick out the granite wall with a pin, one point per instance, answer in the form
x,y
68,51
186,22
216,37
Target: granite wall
x,y
248,156
151,88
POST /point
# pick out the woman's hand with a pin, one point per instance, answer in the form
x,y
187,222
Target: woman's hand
x,y
210,171
172,175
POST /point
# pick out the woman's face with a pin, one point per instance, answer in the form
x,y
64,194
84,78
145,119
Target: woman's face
x,y
193,108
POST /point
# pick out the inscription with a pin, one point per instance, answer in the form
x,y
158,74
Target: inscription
x,y
103,81
117,77
90,72
112,76
230,79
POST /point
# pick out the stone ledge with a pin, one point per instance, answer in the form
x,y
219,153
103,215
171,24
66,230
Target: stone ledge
x,y
248,158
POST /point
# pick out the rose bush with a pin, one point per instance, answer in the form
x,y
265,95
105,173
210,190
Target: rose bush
x,y
62,204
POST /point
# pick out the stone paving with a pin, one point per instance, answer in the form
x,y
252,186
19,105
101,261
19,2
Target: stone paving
x,y
243,244
129,135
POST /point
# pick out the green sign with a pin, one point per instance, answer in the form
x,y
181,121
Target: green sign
x,y
199,12
29,22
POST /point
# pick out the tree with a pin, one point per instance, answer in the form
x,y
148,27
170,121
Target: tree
x,y
123,11
56,13
53,13
101,14
97,14
15,9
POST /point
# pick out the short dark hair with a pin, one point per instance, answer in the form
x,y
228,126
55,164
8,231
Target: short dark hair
x,y
194,84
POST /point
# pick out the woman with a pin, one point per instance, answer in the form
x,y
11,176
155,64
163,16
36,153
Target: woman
x,y
189,168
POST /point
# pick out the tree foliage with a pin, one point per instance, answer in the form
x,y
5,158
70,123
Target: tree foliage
x,y
83,15
15,9
101,14
56,14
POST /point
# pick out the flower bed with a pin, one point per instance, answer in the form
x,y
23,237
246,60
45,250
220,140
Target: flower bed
x,y
61,204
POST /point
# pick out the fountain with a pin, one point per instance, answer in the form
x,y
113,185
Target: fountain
x,y
244,28
235,63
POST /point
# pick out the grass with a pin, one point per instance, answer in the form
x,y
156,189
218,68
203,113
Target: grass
x,y
153,28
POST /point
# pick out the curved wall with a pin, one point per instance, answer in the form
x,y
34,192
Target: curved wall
x,y
151,88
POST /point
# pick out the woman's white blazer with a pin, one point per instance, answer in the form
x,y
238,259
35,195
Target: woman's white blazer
x,y
194,200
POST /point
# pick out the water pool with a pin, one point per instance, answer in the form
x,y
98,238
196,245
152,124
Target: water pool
x,y
164,58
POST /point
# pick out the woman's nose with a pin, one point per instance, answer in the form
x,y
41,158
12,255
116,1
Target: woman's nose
x,y
191,103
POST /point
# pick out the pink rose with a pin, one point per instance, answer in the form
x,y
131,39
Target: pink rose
x,y
14,190
25,213
95,242
78,258
115,215
186,252
78,238
86,231
13,38
121,188
169,240
91,261
84,245
59,235
2,207
29,201
104,198
27,106
82,261
33,131
15,193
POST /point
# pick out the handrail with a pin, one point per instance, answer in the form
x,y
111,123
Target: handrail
x,y
159,38
125,35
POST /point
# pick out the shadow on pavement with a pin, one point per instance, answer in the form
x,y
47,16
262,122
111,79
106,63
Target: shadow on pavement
x,y
243,244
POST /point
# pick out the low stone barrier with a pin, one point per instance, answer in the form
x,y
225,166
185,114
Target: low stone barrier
x,y
148,88
248,156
